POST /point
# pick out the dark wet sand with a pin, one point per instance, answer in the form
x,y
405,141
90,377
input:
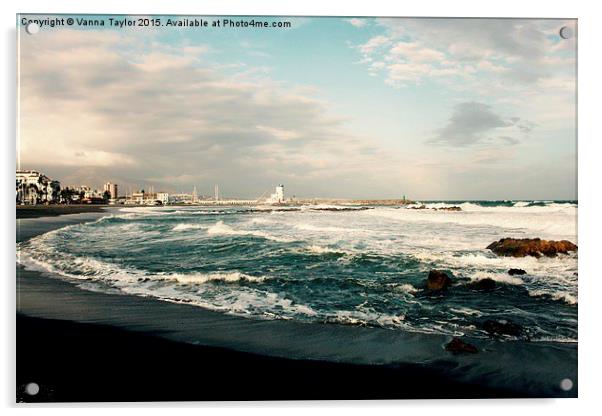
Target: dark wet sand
x,y
87,346
86,362
37,211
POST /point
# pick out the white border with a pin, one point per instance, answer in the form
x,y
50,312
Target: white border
x,y
589,188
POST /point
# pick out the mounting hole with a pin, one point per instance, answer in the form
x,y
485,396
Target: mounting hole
x,y
32,389
32,28
566,32
566,384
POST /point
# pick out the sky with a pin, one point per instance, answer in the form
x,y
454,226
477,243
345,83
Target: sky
x,y
330,107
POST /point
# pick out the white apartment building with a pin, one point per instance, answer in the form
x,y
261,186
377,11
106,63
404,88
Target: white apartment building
x,y
33,187
163,197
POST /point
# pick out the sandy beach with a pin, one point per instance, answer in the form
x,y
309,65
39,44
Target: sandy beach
x,y
37,211
109,347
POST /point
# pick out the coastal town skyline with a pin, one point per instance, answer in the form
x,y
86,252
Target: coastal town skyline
x,y
433,108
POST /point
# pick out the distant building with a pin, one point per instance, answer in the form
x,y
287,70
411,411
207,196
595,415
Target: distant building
x,y
148,198
181,198
139,197
163,197
278,196
33,187
87,192
112,189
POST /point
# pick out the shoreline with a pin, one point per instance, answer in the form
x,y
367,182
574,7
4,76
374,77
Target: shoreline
x,y
386,357
42,211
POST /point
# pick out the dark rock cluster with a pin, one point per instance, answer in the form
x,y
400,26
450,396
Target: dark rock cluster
x,y
438,280
536,247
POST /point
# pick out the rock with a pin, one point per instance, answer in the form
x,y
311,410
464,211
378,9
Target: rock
x,y
483,284
450,209
420,207
457,346
502,327
438,280
536,247
513,272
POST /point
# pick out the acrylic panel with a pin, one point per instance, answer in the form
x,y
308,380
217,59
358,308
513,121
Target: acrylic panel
x,y
279,207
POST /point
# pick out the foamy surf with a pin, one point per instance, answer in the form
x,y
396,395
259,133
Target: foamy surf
x,y
362,267
186,227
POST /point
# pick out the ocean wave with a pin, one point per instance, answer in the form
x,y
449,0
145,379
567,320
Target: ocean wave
x,y
220,228
148,211
323,250
556,295
360,317
498,277
41,257
210,277
466,311
323,229
406,288
187,226
552,222
384,255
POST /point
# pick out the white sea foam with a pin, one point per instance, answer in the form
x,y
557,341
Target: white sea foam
x,y
261,220
466,311
498,277
563,296
86,268
322,250
556,221
363,316
406,287
220,228
187,226
208,277
328,229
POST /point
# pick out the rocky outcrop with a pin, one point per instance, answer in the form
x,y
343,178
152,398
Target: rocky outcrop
x,y
519,272
449,209
457,346
484,285
536,247
420,207
502,327
437,280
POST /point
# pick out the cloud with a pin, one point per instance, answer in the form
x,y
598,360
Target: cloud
x,y
279,133
473,122
373,44
357,22
497,53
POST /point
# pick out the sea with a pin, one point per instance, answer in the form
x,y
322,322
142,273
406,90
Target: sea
x,y
330,264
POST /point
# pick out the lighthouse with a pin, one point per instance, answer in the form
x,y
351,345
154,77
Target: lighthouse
x,y
278,196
